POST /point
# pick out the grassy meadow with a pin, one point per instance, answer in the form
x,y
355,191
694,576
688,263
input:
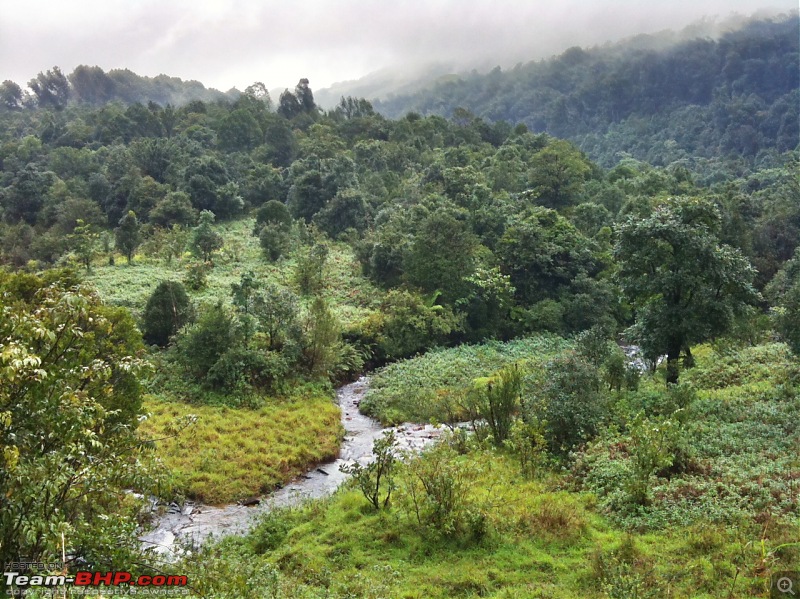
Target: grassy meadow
x,y
255,443
718,527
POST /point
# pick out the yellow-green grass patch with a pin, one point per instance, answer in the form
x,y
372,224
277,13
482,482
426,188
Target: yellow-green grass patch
x,y
230,453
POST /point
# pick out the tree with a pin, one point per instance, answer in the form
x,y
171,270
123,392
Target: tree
x,y
51,89
304,96
168,310
277,312
432,269
288,105
174,209
92,85
128,235
11,95
205,240
557,174
84,241
70,402
685,286
784,292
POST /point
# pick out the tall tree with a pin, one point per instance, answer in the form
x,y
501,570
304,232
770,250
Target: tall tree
x,y
11,95
51,89
684,284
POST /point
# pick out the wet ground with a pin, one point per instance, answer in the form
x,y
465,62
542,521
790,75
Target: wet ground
x,y
194,523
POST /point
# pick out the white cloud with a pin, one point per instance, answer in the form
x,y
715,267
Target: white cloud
x,y
227,43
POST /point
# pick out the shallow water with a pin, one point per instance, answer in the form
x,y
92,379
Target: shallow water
x,y
195,523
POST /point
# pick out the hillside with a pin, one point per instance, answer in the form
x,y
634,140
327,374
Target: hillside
x,y
183,287
732,96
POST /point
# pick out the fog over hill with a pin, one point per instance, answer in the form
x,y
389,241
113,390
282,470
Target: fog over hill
x,y
232,43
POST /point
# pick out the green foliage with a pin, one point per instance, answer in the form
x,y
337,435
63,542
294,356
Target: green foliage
x,y
570,402
498,401
275,240
310,269
685,285
206,241
84,241
128,235
785,292
168,309
196,275
376,480
436,487
653,444
431,386
75,365
408,324
206,341
273,212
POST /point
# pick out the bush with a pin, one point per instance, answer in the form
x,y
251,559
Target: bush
x,y
199,349
168,309
498,401
310,270
196,277
437,486
376,480
275,240
570,402
245,367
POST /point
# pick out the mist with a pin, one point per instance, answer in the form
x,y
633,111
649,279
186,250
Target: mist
x,y
232,43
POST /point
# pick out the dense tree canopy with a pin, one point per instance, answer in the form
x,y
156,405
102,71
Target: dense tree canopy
x,y
685,286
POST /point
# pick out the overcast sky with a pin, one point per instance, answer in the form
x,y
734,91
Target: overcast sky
x,y
227,43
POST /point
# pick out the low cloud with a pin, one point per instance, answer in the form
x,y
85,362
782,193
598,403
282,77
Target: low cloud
x,y
226,43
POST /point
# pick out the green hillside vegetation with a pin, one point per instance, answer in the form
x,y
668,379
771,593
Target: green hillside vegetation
x,y
182,287
690,492
656,98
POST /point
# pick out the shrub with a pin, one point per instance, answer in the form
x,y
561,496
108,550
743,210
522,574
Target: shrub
x,y
376,480
498,401
570,402
437,489
310,270
275,240
527,442
168,309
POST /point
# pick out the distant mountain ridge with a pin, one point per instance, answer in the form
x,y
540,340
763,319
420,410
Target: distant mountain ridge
x,y
655,100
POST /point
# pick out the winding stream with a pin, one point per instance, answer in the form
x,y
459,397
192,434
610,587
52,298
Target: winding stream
x,y
196,522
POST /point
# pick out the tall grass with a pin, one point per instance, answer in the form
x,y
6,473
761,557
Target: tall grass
x,y
229,453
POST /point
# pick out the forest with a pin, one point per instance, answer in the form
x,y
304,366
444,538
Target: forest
x,y
585,271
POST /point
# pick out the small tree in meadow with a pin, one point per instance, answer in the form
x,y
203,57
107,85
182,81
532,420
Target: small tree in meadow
x,y
128,235
205,240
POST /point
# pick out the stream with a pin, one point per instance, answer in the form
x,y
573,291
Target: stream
x,y
194,523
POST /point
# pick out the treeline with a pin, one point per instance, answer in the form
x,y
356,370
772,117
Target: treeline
x,y
53,89
736,96
474,229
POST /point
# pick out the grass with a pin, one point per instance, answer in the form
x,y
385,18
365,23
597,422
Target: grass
x,y
229,454
542,542
351,296
419,388
719,530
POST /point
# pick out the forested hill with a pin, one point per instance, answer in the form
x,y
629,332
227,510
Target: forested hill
x,y
734,96
95,87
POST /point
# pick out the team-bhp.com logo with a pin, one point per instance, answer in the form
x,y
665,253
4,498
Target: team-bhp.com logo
x,y
83,579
